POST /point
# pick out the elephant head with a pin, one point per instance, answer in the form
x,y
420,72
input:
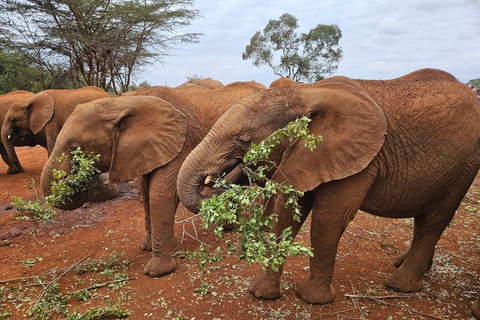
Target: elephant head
x,y
133,135
6,102
351,123
40,118
16,128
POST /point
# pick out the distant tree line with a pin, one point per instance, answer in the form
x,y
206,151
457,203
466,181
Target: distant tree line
x,y
73,43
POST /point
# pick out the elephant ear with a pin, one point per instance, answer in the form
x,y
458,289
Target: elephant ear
x,y
40,111
149,134
353,128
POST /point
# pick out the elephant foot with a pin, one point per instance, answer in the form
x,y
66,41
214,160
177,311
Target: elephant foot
x,y
159,266
146,244
266,286
403,282
476,309
400,259
13,170
312,292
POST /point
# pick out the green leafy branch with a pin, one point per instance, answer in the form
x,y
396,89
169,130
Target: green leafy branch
x,y
245,206
64,186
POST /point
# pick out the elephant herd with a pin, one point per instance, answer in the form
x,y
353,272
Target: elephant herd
x,y
401,148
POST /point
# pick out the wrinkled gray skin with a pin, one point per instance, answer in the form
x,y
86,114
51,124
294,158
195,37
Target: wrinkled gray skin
x,y
140,134
407,147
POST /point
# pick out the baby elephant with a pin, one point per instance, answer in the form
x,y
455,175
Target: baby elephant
x,y
407,147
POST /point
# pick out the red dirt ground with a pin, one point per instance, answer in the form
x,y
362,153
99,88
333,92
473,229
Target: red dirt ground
x,y
364,260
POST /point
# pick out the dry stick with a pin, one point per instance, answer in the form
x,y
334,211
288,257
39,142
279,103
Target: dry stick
x,y
381,297
96,286
337,312
38,276
58,278
407,309
24,286
355,302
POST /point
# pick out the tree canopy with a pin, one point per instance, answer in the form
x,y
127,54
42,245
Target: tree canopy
x,y
308,56
17,72
94,42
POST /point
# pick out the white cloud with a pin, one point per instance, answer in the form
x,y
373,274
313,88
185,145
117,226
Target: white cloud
x,y
381,39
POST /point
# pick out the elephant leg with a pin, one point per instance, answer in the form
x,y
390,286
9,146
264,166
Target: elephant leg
x,y
428,229
335,205
267,285
163,202
12,169
476,309
146,244
403,256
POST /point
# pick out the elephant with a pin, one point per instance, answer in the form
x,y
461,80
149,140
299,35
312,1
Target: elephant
x,y
42,116
6,101
281,83
400,148
146,134
476,305
208,83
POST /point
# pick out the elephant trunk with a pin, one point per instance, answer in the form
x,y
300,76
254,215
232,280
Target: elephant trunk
x,y
189,181
7,139
197,171
46,180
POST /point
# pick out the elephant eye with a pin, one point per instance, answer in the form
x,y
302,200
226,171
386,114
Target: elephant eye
x,y
245,143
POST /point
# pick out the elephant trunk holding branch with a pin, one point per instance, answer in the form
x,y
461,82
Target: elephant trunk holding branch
x,y
6,101
148,133
407,147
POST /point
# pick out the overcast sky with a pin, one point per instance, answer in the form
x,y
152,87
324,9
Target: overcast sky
x,y
381,39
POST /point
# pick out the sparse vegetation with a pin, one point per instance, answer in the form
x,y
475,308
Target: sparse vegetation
x,y
52,303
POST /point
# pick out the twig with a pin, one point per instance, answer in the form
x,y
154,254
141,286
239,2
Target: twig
x,y
367,238
24,286
355,302
41,275
353,296
409,310
58,278
26,278
96,286
337,312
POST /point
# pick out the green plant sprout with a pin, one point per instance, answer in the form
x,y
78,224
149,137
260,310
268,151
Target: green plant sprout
x,y
64,186
245,206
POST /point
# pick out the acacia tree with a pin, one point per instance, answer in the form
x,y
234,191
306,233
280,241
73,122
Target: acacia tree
x,y
308,56
96,42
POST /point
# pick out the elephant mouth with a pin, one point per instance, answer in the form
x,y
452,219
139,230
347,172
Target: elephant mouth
x,y
18,138
232,174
